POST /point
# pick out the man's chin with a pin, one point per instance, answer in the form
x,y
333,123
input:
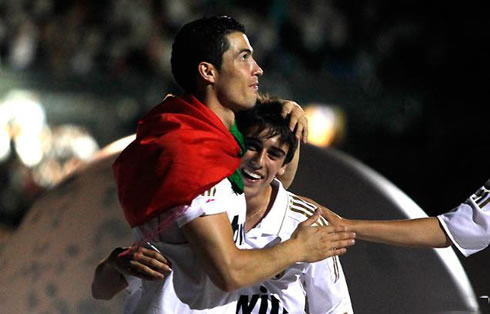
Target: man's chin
x,y
247,191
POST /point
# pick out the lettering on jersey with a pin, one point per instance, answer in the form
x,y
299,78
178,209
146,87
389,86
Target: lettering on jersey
x,y
238,231
481,197
266,303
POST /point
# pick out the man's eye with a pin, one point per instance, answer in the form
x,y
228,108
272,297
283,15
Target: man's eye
x,y
251,146
274,156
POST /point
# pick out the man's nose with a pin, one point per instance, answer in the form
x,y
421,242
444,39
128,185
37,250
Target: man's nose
x,y
257,69
258,159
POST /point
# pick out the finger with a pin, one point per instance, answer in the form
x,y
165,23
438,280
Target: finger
x,y
337,229
146,274
152,262
139,253
158,256
158,265
299,130
311,220
342,236
293,122
343,244
287,107
129,251
339,251
305,131
152,254
144,271
301,127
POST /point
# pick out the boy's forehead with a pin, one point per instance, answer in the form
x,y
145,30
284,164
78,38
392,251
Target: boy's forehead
x,y
264,135
255,132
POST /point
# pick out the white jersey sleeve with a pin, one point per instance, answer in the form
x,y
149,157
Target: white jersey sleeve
x,y
468,225
188,288
326,288
216,200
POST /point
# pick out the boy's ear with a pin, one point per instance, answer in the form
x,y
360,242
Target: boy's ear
x,y
207,71
282,170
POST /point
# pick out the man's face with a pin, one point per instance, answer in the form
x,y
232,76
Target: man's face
x,y
237,82
263,160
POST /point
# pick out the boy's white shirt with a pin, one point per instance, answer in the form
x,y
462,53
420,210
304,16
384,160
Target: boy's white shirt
x,y
323,282
322,285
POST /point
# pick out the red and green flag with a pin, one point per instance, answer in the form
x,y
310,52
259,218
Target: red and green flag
x,y
181,150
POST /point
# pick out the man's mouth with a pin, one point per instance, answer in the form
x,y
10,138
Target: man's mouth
x,y
250,175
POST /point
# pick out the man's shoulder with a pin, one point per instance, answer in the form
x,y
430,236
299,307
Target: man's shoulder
x,y
223,188
220,197
299,210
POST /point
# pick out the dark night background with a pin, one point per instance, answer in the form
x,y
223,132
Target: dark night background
x,y
410,76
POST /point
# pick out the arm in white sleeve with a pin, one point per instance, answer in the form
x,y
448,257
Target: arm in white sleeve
x,y
468,225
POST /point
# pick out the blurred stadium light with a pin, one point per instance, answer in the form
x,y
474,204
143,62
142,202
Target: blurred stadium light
x,y
326,124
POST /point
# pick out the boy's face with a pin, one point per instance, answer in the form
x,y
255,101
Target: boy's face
x,y
237,81
263,160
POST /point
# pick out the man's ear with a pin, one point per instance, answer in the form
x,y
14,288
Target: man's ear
x,y
207,71
282,170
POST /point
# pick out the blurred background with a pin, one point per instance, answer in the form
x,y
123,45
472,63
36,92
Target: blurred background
x,y
400,86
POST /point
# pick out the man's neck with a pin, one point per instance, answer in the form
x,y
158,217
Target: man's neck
x,y
225,114
258,206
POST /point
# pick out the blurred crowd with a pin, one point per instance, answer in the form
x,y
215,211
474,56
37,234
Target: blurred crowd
x,y
133,37
122,37
376,42
34,155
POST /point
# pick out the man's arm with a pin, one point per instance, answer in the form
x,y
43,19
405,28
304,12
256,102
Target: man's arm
x,y
140,262
421,232
231,268
298,122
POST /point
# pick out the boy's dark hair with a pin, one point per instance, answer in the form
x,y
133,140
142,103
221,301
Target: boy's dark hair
x,y
266,115
197,41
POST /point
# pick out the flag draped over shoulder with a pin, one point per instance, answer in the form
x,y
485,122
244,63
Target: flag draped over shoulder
x,y
181,150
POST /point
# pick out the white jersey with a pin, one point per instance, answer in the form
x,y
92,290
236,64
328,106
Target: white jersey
x,y
320,286
468,225
187,289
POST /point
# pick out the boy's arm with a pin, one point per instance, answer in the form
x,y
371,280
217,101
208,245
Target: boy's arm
x,y
231,268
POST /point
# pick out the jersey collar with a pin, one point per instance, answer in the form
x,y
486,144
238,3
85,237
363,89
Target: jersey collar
x,y
272,223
